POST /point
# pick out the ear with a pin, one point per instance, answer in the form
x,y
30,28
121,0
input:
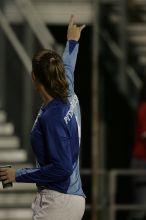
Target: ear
x,y
35,82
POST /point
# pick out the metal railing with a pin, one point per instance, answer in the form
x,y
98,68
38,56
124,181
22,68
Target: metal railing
x,y
128,80
108,204
113,205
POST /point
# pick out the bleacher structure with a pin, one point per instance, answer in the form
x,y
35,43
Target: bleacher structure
x,y
14,202
123,33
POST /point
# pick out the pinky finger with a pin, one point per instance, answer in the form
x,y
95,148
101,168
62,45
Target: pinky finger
x,y
82,27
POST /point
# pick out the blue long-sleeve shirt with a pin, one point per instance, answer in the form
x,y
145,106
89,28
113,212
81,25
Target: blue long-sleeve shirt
x,y
55,139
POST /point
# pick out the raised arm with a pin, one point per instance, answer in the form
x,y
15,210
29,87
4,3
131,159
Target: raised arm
x,y
71,51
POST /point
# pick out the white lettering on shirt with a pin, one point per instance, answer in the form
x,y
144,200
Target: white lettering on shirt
x,y
71,110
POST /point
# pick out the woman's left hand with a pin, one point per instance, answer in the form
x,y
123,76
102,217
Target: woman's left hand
x,y
8,175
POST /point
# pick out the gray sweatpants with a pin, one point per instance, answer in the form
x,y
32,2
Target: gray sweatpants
x,y
53,205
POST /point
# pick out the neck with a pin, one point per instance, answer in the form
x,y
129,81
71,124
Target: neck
x,y
46,99
45,96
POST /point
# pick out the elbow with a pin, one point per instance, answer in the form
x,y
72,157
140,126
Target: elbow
x,y
67,172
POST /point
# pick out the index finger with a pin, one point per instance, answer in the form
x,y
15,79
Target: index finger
x,y
71,21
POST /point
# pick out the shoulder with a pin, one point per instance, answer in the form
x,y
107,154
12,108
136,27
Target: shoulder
x,y
55,112
52,120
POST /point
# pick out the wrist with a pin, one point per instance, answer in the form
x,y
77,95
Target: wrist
x,y
72,45
73,40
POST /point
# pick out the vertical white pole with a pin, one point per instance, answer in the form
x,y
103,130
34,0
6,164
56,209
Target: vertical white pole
x,y
95,120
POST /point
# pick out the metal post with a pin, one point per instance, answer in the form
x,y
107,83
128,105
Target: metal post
x,y
112,193
103,181
27,93
122,76
2,71
95,120
2,66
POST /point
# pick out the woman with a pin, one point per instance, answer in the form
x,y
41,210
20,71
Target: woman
x,y
55,136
